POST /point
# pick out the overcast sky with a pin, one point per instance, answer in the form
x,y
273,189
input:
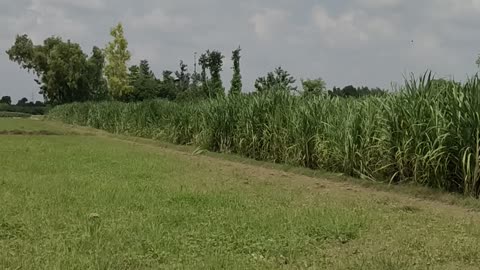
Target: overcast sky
x,y
359,42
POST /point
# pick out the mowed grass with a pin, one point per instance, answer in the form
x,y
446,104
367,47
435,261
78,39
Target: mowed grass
x,y
98,202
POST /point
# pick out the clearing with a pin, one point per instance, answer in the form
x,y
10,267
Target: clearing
x,y
74,198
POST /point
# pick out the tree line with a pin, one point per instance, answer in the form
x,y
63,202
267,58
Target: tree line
x,y
67,74
7,100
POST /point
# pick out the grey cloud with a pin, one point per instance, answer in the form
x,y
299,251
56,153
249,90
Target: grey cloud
x,y
365,42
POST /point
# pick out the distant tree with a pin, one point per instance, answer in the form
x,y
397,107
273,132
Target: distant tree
x,y
39,103
117,56
6,100
215,63
97,82
167,86
350,91
143,82
64,72
280,79
236,83
203,62
183,78
313,87
22,102
197,87
478,61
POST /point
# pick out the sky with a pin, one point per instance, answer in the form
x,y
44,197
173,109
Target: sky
x,y
360,42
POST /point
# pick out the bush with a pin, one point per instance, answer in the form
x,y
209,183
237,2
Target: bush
x,y
14,114
35,110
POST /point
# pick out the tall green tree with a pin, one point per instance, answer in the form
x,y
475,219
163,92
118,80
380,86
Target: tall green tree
x,y
183,78
313,87
215,63
22,102
97,82
6,100
277,80
117,56
167,86
64,72
143,82
236,83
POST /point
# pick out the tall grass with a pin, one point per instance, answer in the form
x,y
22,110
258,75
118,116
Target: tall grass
x,y
427,133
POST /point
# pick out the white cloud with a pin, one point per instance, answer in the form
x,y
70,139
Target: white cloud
x,y
160,20
350,28
379,3
87,4
268,22
41,20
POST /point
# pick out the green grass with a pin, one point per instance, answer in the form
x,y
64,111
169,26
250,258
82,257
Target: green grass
x,y
100,202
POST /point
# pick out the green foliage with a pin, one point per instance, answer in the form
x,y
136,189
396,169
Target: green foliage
x,y
14,114
278,80
182,78
142,80
167,86
352,91
6,100
236,87
22,102
215,63
26,108
313,87
212,61
65,74
422,134
97,82
117,56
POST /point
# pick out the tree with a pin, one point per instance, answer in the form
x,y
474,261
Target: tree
x,y
167,86
183,78
22,102
97,82
215,63
313,87
279,79
356,92
67,77
236,83
478,61
143,82
350,91
63,70
117,56
6,100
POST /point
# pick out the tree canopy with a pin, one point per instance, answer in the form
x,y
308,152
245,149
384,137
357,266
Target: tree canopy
x,y
313,87
6,100
236,83
279,79
117,56
65,73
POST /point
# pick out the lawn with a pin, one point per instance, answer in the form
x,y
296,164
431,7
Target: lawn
x,y
72,201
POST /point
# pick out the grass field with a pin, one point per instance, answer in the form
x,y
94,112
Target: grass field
x,y
81,199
